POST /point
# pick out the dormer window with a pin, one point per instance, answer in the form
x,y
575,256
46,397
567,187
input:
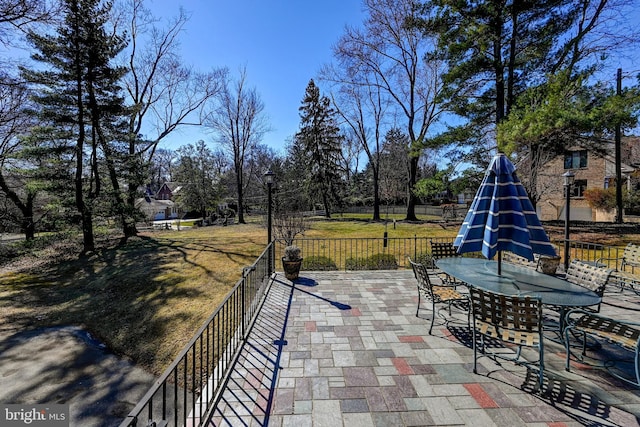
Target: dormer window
x,y
575,159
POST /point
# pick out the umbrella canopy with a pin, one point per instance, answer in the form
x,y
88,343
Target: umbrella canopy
x,y
502,218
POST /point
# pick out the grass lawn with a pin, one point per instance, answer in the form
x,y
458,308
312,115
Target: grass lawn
x,y
146,298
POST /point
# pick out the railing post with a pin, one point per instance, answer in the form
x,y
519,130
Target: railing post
x,y
243,287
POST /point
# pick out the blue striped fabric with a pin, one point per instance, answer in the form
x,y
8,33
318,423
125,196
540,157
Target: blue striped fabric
x,y
502,218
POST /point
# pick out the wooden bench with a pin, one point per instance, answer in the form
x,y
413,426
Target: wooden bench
x,y
622,333
627,273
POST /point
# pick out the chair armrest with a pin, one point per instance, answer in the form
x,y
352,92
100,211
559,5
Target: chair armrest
x,y
580,312
599,260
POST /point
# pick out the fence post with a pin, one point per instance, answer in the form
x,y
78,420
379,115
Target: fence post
x,y
243,310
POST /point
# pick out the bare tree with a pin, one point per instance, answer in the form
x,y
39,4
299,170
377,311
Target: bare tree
x,y
239,124
165,93
161,167
361,103
15,182
392,55
17,15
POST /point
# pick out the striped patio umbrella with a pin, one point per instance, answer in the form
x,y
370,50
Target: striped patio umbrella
x,y
502,218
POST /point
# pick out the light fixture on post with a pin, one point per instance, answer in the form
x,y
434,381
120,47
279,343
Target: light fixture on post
x,y
568,178
268,179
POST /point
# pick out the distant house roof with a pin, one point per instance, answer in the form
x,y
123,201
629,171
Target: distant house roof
x,y
147,202
171,188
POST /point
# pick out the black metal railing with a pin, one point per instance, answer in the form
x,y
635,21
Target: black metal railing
x,y
354,253
342,253
592,252
186,392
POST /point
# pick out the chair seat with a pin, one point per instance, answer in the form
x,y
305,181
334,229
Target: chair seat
x,y
623,334
508,334
446,293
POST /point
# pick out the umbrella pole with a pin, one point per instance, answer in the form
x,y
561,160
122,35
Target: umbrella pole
x,y
499,263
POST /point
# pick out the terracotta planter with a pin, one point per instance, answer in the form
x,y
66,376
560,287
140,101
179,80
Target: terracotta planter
x,y
291,268
549,265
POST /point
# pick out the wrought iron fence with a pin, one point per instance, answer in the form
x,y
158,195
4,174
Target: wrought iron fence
x,y
187,391
388,253
592,252
361,253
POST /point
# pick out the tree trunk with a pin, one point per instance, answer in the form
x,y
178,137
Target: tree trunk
x,y
29,228
499,70
412,199
376,194
239,185
26,208
240,206
88,242
325,202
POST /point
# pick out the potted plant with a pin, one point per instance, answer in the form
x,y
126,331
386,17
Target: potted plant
x,y
286,227
549,264
291,262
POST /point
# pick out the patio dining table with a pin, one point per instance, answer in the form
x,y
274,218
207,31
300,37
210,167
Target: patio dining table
x,y
519,281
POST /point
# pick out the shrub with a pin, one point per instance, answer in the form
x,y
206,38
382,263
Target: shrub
x,y
601,198
319,263
424,259
374,262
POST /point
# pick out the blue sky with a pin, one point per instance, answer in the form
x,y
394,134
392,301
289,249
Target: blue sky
x,y
282,43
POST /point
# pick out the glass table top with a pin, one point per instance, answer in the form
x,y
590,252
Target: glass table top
x,y
517,281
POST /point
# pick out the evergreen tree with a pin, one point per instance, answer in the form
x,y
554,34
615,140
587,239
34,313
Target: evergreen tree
x,y
197,171
318,148
493,50
78,95
394,168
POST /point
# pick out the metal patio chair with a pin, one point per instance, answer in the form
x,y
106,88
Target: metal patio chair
x,y
509,319
589,276
438,294
624,334
441,250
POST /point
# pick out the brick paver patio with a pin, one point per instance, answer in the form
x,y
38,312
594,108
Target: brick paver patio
x,y
346,349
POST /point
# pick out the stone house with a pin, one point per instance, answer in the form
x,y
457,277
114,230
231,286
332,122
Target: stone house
x,y
591,171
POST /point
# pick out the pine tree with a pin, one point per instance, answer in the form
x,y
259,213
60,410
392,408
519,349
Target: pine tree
x,y
494,49
197,170
319,140
78,96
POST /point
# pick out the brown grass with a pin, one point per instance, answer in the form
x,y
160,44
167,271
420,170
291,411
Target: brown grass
x,y
147,297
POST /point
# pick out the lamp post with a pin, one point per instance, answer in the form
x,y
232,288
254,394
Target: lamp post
x,y
268,178
568,178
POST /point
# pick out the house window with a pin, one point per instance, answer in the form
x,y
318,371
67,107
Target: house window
x,y
575,159
579,185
